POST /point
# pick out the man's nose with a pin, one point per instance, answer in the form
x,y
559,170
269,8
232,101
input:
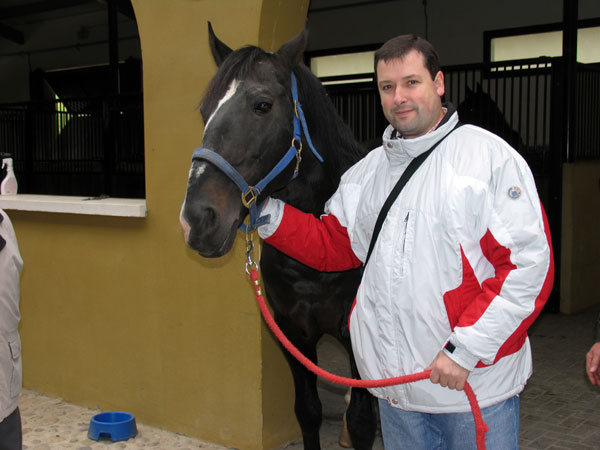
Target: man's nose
x,y
399,96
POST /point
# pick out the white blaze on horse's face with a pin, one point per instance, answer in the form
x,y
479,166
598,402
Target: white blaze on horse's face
x,y
199,170
195,173
230,93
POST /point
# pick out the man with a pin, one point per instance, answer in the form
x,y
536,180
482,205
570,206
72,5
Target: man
x,y
592,359
461,268
10,343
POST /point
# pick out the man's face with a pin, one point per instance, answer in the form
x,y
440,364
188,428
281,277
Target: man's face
x,y
410,99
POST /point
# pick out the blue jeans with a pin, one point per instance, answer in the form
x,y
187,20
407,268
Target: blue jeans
x,y
453,431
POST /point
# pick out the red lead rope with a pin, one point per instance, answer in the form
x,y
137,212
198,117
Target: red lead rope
x,y
480,426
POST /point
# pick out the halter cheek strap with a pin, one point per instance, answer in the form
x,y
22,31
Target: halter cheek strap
x,y
249,194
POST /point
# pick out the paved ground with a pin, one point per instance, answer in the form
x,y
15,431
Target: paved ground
x,y
559,408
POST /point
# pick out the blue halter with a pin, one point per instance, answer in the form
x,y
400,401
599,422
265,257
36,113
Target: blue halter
x,y
251,193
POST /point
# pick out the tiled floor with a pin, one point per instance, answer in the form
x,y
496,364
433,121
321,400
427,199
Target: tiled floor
x,y
559,408
51,424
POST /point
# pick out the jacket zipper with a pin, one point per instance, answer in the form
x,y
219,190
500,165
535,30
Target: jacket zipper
x,y
404,242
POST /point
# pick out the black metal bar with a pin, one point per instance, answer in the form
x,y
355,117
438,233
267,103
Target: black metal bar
x,y
525,138
569,44
519,108
111,106
554,206
536,113
546,120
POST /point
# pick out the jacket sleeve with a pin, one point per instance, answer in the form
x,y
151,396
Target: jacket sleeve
x,y
516,244
320,243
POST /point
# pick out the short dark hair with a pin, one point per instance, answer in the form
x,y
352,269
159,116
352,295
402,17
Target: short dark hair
x,y
400,46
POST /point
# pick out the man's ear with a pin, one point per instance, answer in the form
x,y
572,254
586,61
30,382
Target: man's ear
x,y
438,81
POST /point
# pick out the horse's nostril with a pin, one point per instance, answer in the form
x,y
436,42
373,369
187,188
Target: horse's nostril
x,y
209,217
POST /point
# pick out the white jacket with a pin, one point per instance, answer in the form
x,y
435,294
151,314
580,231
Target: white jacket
x,y
10,343
464,255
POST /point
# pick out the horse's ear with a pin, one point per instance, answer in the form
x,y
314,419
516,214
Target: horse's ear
x,y
219,50
292,50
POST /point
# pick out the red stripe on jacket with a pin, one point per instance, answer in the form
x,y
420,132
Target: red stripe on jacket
x,y
463,311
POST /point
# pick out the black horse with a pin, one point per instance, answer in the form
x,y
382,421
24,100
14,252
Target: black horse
x,y
248,114
479,108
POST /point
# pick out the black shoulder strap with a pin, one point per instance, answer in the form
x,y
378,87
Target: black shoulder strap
x,y
408,172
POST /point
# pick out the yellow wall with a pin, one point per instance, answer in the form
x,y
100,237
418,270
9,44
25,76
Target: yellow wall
x,y
580,262
117,312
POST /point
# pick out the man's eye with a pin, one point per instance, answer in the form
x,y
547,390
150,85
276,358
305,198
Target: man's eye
x,y
386,87
262,107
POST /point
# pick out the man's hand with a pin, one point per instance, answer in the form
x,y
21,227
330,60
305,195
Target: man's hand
x,y
448,373
592,363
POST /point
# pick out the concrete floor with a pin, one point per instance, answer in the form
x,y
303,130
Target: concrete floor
x,y
559,408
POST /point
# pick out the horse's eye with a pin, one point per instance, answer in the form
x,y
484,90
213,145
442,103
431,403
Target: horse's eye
x,y
262,107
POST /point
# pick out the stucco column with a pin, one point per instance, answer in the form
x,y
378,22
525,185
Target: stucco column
x,y
245,400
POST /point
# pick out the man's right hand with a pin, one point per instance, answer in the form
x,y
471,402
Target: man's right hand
x,y
592,364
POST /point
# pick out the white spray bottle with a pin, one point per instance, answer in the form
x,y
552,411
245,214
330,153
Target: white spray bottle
x,y
9,182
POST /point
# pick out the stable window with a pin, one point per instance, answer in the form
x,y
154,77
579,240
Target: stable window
x,y
545,40
343,66
75,137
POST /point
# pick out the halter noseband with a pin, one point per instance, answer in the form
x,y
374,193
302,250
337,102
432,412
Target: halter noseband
x,y
251,193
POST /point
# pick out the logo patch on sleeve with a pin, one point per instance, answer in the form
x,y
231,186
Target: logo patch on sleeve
x,y
514,192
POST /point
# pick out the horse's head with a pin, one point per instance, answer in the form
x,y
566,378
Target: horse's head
x,y
481,108
247,111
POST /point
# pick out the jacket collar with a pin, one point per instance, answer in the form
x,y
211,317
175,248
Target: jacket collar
x,y
399,150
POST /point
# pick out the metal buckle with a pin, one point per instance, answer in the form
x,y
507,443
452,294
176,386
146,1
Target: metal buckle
x,y
298,154
250,264
249,197
296,109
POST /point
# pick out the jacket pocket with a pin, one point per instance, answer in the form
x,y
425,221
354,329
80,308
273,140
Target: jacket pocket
x,y
17,371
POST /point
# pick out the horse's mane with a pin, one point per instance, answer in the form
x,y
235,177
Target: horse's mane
x,y
336,138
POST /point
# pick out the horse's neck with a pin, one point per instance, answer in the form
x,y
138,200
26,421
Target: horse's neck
x,y
317,181
333,139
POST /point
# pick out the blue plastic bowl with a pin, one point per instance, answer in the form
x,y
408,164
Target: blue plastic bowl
x,y
119,426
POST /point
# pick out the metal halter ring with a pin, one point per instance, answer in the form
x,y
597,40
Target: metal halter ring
x,y
297,144
249,197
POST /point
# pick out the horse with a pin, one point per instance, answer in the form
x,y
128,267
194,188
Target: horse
x,y
479,108
248,111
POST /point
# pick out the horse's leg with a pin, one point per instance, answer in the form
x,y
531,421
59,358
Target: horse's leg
x,y
307,404
344,439
361,419
361,415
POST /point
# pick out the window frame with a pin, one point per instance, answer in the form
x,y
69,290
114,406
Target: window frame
x,y
346,79
533,29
